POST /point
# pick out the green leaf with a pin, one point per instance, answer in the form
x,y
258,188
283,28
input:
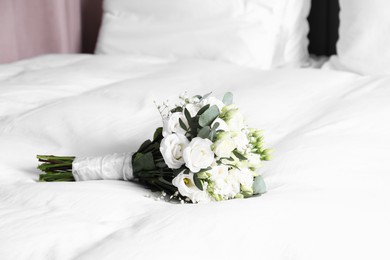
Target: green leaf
x,y
157,134
182,125
198,182
206,95
228,98
207,118
177,109
215,126
144,145
204,132
212,134
188,116
259,186
143,162
239,155
203,109
177,171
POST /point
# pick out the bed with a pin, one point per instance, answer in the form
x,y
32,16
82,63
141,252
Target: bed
x,y
328,194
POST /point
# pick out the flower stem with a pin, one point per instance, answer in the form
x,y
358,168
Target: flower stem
x,y
55,168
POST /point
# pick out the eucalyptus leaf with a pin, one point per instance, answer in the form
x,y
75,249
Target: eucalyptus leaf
x,y
198,182
259,185
203,109
215,126
207,118
228,98
204,132
212,134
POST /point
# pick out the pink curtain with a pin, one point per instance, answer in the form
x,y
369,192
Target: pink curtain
x,y
33,27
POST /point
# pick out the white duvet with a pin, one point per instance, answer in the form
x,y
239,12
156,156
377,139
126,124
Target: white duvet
x,y
328,183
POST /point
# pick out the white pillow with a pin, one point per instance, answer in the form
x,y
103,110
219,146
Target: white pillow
x,y
255,33
364,43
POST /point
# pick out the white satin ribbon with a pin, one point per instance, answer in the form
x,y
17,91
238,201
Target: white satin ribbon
x,y
109,167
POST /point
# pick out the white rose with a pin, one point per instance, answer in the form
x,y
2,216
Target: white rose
x,y
224,145
198,154
213,101
171,148
241,140
172,125
222,124
186,186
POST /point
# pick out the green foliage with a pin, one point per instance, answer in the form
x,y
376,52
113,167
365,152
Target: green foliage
x,y
204,132
228,98
239,155
198,182
259,185
55,168
207,118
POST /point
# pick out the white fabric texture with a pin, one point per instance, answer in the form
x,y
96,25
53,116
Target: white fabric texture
x,y
327,182
108,167
256,33
363,46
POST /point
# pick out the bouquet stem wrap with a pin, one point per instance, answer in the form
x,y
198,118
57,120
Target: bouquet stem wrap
x,y
109,167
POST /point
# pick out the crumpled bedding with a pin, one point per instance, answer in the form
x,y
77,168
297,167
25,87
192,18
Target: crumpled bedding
x,y
328,194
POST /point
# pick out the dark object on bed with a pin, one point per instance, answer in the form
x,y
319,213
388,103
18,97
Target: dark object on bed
x,y
324,24
323,20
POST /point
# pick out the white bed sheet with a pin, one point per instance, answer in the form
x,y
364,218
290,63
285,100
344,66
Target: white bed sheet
x,y
328,183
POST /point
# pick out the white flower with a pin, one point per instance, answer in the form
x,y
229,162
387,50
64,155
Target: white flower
x,y
244,176
171,148
172,125
186,186
213,101
241,140
222,124
198,154
224,183
193,109
254,160
224,145
234,119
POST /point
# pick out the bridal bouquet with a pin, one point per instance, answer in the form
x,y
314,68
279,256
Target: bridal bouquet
x,y
204,152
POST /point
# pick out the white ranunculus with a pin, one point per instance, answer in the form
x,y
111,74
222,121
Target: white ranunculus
x,y
198,154
186,186
193,109
224,145
222,124
224,183
172,125
235,120
171,148
241,140
213,101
